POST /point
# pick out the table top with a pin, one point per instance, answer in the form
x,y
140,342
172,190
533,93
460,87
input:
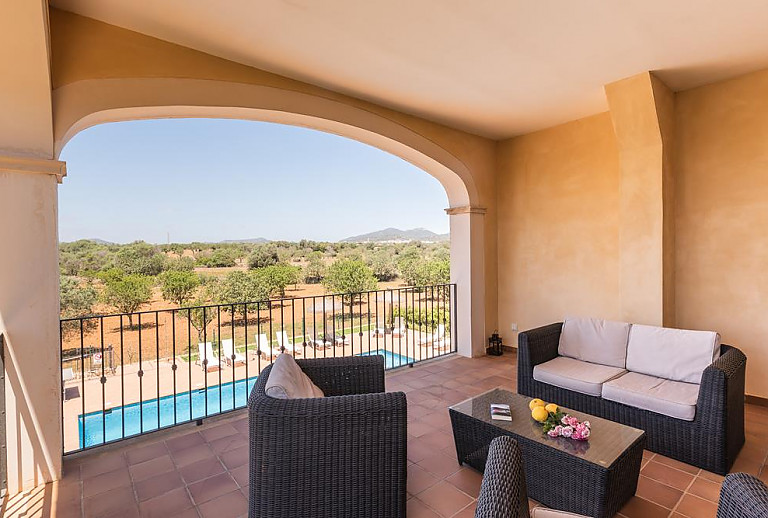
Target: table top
x,y
606,443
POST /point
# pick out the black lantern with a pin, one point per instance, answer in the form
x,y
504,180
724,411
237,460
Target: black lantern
x,y
494,345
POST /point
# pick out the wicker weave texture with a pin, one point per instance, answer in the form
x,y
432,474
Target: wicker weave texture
x,y
711,441
503,493
743,496
341,455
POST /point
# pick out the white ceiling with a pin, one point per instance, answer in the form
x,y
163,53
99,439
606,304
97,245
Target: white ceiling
x,y
493,67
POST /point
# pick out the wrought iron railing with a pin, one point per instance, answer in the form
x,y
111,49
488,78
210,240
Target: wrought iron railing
x,y
129,374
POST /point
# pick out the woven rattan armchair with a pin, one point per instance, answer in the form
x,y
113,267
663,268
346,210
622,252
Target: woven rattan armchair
x,y
711,441
503,493
341,455
743,496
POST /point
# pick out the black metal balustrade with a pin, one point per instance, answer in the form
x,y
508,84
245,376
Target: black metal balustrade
x,y
129,374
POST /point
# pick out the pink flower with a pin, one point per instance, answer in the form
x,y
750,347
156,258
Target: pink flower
x,y
586,433
567,431
559,430
586,423
553,433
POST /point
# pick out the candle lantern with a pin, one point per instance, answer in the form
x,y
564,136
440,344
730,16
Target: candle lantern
x,y
494,345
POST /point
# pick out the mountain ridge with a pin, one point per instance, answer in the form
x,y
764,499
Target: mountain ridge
x,y
392,234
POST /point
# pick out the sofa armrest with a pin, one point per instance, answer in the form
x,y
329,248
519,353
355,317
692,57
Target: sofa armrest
x,y
723,379
538,345
503,493
347,375
720,406
742,496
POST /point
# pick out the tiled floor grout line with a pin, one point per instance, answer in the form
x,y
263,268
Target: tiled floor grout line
x,y
682,497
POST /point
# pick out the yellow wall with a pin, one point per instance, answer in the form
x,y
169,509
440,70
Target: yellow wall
x,y
722,216
558,225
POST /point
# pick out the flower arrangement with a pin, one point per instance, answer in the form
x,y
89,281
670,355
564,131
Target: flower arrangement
x,y
557,424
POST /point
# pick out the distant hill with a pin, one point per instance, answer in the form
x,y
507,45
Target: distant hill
x,y
99,241
258,240
389,235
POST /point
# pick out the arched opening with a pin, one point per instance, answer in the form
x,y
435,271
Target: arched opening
x,y
388,318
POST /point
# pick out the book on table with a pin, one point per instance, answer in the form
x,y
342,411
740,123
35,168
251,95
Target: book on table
x,y
500,412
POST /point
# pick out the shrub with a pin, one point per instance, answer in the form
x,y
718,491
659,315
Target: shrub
x,y
262,257
179,286
128,293
315,269
76,298
140,258
383,265
349,276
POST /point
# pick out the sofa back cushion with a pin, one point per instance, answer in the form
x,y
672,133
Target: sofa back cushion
x,y
594,340
287,380
673,354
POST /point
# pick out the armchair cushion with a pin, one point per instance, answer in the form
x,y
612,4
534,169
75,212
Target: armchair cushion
x,y
595,340
672,398
543,512
674,354
567,373
288,381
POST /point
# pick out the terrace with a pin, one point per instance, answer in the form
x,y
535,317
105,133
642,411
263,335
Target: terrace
x,y
599,159
202,471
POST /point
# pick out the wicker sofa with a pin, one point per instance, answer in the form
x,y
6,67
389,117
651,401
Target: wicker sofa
x,y
339,455
710,439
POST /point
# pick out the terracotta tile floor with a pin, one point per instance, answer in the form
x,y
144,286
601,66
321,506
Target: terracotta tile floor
x,y
201,472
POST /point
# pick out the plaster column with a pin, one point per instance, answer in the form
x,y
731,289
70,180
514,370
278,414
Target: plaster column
x,y
468,273
642,112
29,318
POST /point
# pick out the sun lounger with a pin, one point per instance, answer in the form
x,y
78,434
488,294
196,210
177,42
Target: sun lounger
x,y
285,344
230,355
265,348
319,343
207,360
335,339
437,338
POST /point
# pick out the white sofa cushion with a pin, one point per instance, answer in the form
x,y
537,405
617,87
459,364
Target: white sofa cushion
x,y
595,340
543,512
672,398
287,380
571,374
674,354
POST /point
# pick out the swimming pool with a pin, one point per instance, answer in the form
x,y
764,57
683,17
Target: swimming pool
x,y
391,360
95,428
142,417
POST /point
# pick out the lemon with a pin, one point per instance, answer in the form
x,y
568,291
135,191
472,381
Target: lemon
x,y
536,402
540,414
551,408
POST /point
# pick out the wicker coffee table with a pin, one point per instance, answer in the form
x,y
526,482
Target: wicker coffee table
x,y
593,478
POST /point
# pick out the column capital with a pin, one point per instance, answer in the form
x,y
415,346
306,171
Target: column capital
x,y
466,209
56,168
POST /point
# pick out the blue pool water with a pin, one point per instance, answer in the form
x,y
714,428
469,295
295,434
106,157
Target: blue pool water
x,y
391,360
96,429
92,426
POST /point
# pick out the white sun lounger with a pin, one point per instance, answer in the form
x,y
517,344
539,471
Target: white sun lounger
x,y
436,338
320,343
265,348
230,355
205,352
285,344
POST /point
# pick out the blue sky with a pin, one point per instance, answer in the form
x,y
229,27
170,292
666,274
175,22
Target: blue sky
x,y
212,179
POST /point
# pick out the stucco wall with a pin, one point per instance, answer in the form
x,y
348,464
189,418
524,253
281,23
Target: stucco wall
x,y
722,216
558,225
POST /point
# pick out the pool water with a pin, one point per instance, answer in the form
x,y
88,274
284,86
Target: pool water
x,y
95,429
139,418
391,360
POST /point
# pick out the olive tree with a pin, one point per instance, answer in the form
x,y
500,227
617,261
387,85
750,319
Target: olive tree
x,y
350,277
